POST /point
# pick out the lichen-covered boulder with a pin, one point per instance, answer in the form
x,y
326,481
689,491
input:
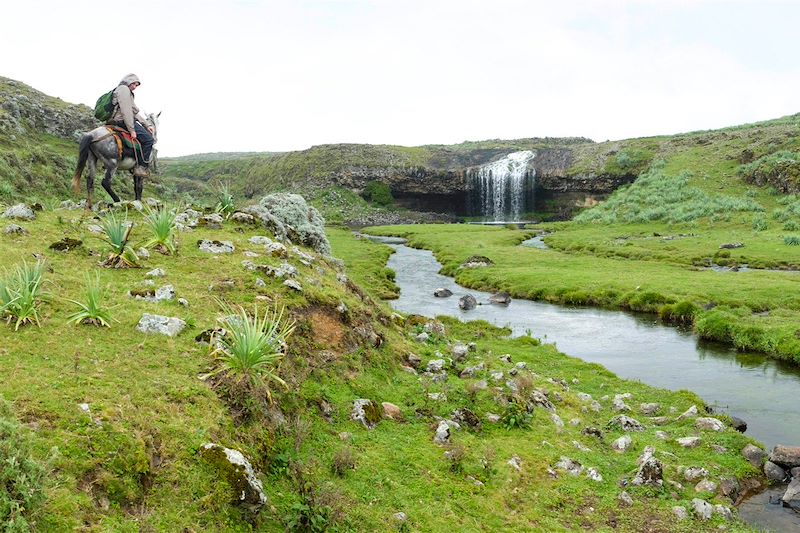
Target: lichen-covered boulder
x,y
20,212
289,217
366,412
161,325
247,488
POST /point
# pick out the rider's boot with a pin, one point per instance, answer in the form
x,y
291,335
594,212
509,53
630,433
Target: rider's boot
x,y
140,171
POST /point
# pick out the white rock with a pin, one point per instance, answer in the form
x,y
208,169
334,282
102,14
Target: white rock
x,y
689,413
292,284
680,513
622,444
161,325
689,442
216,247
702,509
515,463
252,495
156,273
20,212
709,424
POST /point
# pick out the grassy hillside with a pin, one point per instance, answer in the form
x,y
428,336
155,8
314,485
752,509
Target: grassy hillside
x,y
108,422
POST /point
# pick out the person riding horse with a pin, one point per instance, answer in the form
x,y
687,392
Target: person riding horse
x,y
126,115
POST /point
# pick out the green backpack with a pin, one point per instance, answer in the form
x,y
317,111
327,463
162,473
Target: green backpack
x,y
104,107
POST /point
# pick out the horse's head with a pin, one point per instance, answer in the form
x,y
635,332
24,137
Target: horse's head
x,y
152,119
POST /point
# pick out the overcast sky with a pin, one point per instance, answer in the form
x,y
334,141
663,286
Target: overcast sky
x,y
263,75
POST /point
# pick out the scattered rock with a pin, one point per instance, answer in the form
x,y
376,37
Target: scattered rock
x,y
569,466
723,512
774,472
618,404
622,444
649,409
19,212
161,325
437,396
239,474
435,365
156,273
467,302
593,474
260,240
791,498
785,456
492,418
625,423
694,473
680,513
243,218
729,486
702,509
442,435
215,247
442,293
650,472
413,360
471,371
709,424
400,517
624,499
689,442
211,221
392,412
662,435
292,284
706,486
731,245
459,352
689,413
366,412
13,229
754,455
183,302
143,253
434,327
476,261
466,417
515,463
276,249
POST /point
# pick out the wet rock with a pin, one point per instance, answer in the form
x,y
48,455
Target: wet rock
x,y
785,456
500,298
729,486
19,212
689,413
622,444
738,424
366,412
215,247
239,473
442,293
161,325
791,498
709,424
754,455
702,509
467,302
774,472
13,229
625,423
689,442
649,409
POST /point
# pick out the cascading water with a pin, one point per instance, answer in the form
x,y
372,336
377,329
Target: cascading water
x,y
502,190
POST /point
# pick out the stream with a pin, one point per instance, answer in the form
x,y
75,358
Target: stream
x,y
753,387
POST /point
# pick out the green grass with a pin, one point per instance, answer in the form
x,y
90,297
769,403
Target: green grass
x,y
130,461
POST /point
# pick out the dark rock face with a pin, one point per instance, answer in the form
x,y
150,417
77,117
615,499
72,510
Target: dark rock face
x,y
442,293
738,424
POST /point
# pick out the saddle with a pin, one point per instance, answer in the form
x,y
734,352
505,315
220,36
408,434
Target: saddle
x,y
126,145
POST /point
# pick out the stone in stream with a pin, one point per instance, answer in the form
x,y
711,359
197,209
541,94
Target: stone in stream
x,y
467,302
442,293
791,498
500,298
774,472
785,456
738,424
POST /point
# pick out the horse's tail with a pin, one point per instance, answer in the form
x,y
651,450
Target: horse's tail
x,y
83,155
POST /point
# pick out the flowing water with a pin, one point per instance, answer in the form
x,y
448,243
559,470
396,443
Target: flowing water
x,y
498,190
760,390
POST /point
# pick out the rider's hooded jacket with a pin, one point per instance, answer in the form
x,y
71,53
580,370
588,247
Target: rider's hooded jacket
x,y
125,110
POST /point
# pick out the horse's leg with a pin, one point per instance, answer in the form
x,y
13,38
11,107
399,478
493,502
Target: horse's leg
x,y
111,167
138,186
91,169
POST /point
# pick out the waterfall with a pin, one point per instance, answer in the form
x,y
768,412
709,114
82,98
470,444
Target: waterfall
x,y
499,190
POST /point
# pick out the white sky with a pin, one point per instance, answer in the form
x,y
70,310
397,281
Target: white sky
x,y
271,75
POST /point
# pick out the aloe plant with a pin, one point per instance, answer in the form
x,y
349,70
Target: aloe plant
x,y
91,310
253,347
161,223
225,205
21,294
116,233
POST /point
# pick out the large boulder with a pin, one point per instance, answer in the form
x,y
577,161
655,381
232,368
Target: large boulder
x,y
467,302
19,212
237,471
754,455
289,217
785,456
791,498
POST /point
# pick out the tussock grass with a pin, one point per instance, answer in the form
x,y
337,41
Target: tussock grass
x,y
160,223
21,293
91,310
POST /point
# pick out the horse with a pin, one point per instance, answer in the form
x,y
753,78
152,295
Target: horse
x,y
99,145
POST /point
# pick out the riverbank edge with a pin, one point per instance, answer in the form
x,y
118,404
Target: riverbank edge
x,y
719,323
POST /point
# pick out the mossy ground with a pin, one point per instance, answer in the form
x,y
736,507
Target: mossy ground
x,y
131,464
